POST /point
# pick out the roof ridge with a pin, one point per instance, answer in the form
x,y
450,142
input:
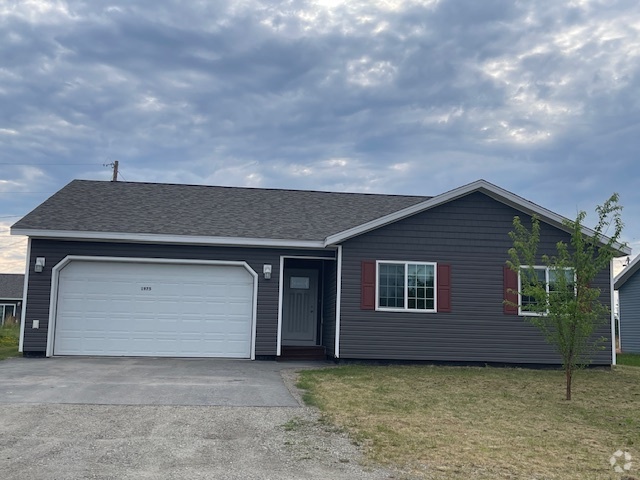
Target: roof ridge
x,y
270,189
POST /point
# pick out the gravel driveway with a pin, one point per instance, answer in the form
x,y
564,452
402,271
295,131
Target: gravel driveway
x,y
65,441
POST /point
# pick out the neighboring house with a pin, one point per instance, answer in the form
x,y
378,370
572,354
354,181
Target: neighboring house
x,y
11,289
627,283
141,269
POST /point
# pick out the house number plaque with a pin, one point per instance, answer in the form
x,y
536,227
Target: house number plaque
x,y
145,289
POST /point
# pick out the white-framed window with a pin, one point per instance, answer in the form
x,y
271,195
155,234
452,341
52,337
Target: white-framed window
x,y
406,286
547,277
6,310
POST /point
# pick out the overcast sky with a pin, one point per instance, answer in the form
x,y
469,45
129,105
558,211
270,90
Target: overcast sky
x,y
389,96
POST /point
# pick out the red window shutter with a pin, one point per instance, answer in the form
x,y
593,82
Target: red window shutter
x,y
444,288
510,291
368,284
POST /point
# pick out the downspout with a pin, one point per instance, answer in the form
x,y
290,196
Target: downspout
x,y
613,319
338,300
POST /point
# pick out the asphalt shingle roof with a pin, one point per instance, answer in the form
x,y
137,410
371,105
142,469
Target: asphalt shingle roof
x,y
11,285
196,210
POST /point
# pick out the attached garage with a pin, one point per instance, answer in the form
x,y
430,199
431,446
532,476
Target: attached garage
x,y
149,307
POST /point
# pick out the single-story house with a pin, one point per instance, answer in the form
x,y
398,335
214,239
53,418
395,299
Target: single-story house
x,y
627,283
147,269
11,289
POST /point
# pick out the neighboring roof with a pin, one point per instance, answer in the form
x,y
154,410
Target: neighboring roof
x,y
205,211
627,273
155,212
11,286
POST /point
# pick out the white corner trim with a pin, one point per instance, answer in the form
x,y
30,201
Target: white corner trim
x,y
55,275
614,359
483,186
338,300
25,290
174,239
280,296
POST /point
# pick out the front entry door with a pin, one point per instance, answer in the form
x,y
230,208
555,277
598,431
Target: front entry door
x,y
299,307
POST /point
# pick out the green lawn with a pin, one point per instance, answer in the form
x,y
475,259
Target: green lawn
x,y
484,423
9,335
632,359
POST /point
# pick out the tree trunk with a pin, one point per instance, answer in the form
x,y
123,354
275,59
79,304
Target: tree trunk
x,y
569,374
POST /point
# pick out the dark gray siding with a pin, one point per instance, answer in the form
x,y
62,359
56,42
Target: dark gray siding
x,y
630,314
470,234
54,251
329,308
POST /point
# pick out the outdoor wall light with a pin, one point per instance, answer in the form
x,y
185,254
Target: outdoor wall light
x,y
39,264
266,270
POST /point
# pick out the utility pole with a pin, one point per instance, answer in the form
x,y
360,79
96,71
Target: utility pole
x,y
115,171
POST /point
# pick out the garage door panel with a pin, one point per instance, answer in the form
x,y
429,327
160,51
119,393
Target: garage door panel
x,y
120,308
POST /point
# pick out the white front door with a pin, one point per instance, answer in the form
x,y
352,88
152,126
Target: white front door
x,y
154,309
299,307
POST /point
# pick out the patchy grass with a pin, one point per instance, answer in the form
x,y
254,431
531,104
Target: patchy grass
x,y
632,359
293,424
9,337
484,423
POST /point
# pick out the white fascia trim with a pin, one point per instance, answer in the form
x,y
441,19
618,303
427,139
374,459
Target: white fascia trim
x,y
4,299
55,275
175,239
624,275
280,296
24,296
338,300
613,317
483,186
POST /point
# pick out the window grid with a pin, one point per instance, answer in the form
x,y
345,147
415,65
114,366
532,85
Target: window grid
x,y
408,286
391,280
420,287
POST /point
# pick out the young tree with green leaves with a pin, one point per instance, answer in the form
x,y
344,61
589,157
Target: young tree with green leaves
x,y
559,298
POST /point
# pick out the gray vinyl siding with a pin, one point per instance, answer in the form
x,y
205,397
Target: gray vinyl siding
x,y
471,235
38,296
630,314
329,308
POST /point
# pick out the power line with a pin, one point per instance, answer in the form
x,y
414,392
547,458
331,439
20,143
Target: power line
x,y
47,164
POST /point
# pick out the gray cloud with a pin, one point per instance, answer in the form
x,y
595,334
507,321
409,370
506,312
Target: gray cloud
x,y
399,96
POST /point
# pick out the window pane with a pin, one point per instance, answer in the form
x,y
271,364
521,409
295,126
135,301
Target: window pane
x,y
554,279
422,277
528,278
391,285
560,281
6,311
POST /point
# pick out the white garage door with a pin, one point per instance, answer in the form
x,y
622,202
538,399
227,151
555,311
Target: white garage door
x,y
153,309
